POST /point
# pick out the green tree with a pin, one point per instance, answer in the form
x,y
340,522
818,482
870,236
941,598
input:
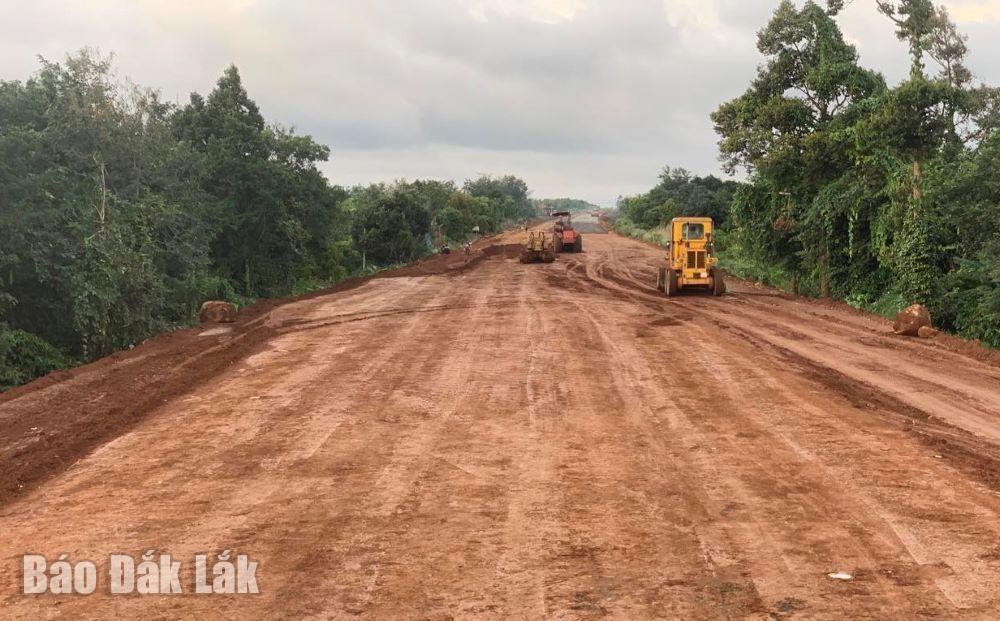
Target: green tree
x,y
92,183
272,209
914,20
120,214
392,226
793,127
509,197
881,196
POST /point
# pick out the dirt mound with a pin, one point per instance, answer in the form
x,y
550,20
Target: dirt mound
x,y
45,430
911,319
217,312
457,261
504,251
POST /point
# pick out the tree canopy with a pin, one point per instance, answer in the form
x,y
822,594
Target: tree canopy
x,y
864,191
121,213
679,193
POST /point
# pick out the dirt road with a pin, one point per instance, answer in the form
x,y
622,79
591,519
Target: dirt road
x,y
506,441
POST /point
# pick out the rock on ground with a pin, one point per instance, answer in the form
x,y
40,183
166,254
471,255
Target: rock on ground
x,y
927,332
911,319
217,312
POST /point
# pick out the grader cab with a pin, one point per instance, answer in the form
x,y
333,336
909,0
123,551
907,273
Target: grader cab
x,y
691,262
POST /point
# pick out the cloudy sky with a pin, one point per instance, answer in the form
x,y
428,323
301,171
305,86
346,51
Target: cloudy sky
x,y
582,98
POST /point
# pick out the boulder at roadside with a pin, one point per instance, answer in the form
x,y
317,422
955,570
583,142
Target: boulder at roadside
x,y
217,312
911,319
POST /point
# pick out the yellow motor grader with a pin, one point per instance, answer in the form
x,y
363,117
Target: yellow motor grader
x,y
539,247
691,261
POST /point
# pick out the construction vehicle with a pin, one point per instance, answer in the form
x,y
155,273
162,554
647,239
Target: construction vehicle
x,y
691,262
538,248
567,239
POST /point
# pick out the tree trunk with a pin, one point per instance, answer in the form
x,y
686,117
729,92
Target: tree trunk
x,y
918,191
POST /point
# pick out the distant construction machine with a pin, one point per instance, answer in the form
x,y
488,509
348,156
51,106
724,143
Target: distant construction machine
x,y
567,239
691,261
538,248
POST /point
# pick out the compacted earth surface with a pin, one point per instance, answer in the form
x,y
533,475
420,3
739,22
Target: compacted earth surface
x,y
474,438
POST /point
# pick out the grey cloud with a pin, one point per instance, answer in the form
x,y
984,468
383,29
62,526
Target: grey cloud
x,y
591,106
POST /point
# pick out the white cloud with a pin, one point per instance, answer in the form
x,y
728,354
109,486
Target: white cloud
x,y
545,11
965,11
694,17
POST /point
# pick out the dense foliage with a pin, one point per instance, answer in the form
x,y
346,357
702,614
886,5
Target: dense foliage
x,y
397,223
882,196
678,193
879,195
121,213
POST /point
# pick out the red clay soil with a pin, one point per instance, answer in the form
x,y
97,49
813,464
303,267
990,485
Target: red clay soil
x,y
473,438
39,440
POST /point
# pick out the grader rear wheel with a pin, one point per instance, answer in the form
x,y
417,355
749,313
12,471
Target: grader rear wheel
x,y
672,285
718,282
661,279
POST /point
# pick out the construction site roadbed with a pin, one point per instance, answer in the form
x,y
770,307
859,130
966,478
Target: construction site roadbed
x,y
470,437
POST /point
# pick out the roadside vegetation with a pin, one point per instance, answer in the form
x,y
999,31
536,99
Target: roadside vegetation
x,y
121,213
679,193
881,195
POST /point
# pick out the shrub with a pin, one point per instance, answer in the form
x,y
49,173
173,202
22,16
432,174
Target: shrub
x,y
24,356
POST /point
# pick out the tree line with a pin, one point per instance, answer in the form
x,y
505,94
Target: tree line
x,y
547,205
121,213
678,193
881,195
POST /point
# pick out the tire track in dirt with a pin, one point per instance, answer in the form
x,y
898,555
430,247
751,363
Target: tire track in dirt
x,y
393,476
225,493
954,594
727,589
528,528
899,355
542,441
841,439
975,394
815,497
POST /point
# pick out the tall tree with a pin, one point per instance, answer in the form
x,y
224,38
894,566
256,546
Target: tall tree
x,y
915,21
271,206
791,127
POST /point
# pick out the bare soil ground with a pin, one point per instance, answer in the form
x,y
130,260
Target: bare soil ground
x,y
480,439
